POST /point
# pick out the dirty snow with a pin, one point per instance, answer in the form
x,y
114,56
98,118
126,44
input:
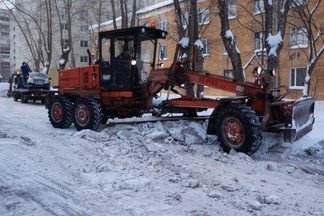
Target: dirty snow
x,y
162,168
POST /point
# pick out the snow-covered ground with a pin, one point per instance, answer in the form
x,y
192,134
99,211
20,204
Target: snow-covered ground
x,y
169,168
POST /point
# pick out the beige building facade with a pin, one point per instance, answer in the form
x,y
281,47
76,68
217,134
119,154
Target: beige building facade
x,y
293,58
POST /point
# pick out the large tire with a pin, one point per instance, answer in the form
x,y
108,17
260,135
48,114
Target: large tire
x,y
60,112
104,119
86,114
15,97
24,98
238,127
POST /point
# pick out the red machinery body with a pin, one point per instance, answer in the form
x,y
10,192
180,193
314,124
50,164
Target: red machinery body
x,y
114,87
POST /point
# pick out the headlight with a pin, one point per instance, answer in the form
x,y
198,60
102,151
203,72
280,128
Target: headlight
x,y
133,62
259,70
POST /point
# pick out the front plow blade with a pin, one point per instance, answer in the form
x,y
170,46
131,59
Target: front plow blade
x,y
302,120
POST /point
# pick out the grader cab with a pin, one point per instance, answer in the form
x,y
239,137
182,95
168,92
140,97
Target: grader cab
x,y
125,80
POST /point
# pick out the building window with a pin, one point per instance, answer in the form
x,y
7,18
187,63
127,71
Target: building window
x,y
84,14
84,28
64,27
163,23
203,16
228,74
185,19
83,43
299,3
298,38
64,14
163,53
258,41
297,77
205,42
83,59
258,6
65,43
232,9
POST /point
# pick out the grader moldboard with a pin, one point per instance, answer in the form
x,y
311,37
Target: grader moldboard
x,y
115,87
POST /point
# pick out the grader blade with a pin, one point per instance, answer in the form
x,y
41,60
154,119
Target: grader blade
x,y
302,120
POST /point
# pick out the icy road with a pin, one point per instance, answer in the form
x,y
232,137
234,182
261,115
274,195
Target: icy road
x,y
169,168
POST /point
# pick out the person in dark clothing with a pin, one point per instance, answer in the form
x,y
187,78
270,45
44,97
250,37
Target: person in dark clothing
x,y
124,56
25,69
122,67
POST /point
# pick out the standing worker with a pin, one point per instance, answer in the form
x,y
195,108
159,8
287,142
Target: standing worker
x,y
25,69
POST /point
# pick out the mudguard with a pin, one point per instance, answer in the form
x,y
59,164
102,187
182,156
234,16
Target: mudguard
x,y
301,121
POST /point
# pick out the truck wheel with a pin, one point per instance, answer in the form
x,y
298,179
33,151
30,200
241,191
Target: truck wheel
x,y
15,97
24,98
87,114
60,112
238,128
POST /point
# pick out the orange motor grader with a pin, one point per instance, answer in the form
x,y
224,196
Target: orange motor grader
x,y
124,81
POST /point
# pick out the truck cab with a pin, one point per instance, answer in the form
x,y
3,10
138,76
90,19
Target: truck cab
x,y
126,56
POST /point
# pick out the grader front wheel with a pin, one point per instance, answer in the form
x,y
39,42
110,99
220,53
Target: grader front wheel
x,y
238,128
60,112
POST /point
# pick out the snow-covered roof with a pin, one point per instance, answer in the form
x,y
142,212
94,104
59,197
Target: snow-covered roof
x,y
107,23
155,6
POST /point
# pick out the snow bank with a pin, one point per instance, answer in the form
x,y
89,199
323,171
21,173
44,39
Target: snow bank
x,y
162,168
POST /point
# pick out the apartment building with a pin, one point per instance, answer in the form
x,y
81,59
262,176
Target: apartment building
x,y
293,59
80,35
6,45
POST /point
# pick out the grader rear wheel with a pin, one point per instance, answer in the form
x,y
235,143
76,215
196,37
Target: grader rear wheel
x,y
238,128
87,114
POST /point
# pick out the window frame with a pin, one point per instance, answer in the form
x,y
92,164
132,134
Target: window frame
x,y
185,19
84,29
83,43
299,3
260,7
163,24
165,50
295,86
206,43
296,32
63,14
228,71
232,5
84,59
64,27
260,40
203,16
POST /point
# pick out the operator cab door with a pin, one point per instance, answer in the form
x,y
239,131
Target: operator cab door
x,y
115,65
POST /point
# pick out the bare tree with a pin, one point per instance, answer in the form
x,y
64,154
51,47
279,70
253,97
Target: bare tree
x,y
191,49
97,10
35,28
275,31
67,12
113,8
230,42
305,14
